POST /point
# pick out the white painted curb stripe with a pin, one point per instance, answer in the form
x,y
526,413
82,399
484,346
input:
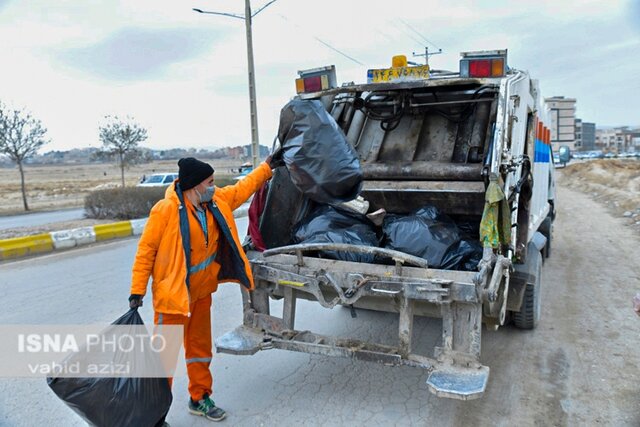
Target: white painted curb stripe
x,y
84,235
242,211
137,225
75,237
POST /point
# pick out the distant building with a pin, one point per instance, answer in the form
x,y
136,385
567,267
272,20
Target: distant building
x,y
578,144
585,136
562,115
618,140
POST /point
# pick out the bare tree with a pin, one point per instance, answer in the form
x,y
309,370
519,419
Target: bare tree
x,y
21,136
120,139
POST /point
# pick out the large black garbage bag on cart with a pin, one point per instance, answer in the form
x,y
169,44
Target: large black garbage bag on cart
x,y
431,235
116,402
329,225
320,161
465,256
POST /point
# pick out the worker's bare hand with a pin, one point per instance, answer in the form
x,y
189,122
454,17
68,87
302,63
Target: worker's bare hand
x,y
636,304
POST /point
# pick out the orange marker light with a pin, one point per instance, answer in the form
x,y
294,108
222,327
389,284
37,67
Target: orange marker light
x,y
497,67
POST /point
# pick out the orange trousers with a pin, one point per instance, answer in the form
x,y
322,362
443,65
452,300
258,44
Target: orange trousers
x,y
197,345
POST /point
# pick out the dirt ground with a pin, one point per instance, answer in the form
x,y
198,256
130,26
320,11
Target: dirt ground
x,y
614,183
53,187
580,366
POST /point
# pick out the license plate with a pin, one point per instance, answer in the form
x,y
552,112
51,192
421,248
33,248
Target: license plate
x,y
381,75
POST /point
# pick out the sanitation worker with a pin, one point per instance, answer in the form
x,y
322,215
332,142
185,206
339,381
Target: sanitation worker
x,y
190,244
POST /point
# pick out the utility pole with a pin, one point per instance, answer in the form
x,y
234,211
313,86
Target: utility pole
x,y
255,142
427,54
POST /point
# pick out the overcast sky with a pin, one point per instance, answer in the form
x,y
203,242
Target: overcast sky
x,y
183,75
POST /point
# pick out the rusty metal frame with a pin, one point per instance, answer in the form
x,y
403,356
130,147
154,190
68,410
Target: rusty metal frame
x,y
291,277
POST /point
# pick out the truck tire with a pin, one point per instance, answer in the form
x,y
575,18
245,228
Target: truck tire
x,y
545,229
529,314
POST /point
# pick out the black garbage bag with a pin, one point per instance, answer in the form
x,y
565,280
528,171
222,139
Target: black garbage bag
x,y
432,235
469,230
117,402
422,235
465,256
327,224
321,163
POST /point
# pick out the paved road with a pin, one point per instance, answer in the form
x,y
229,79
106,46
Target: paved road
x,y
579,367
40,218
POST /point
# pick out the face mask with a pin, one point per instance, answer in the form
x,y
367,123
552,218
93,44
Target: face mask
x,y
207,196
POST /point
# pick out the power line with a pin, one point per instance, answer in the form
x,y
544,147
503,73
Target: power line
x,y
419,34
405,32
323,42
336,50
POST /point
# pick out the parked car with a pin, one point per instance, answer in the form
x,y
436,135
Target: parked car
x,y
158,180
243,170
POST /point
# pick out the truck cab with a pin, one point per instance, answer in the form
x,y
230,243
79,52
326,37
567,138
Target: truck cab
x,y
475,145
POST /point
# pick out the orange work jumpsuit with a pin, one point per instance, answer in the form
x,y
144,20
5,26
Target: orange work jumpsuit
x,y
160,254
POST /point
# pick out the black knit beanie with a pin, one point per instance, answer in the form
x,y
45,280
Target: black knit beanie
x,y
192,172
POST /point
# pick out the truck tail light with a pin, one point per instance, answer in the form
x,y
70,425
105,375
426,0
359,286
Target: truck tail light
x,y
483,64
480,68
312,84
316,80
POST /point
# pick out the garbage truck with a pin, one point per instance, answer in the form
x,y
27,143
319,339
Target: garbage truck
x,y
472,143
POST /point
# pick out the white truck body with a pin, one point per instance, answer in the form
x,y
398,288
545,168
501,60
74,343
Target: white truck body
x,y
454,135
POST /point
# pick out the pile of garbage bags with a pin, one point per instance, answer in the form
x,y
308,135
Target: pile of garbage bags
x,y
426,233
320,161
325,168
432,235
329,225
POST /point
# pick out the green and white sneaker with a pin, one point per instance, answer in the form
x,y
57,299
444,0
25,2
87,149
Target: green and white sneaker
x,y
207,408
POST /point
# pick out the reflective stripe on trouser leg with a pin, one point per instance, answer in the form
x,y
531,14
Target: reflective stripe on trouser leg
x,y
199,359
197,348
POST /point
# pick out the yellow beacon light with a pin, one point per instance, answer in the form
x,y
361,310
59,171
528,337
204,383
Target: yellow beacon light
x,y
399,61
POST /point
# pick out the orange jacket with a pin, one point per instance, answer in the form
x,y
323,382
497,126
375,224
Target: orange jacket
x,y
160,252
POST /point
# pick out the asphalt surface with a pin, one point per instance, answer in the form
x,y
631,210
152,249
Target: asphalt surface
x,y
40,218
579,367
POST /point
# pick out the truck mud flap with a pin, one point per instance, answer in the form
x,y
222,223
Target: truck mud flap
x,y
459,383
241,341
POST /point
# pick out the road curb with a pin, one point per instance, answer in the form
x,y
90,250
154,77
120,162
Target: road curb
x,y
19,247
